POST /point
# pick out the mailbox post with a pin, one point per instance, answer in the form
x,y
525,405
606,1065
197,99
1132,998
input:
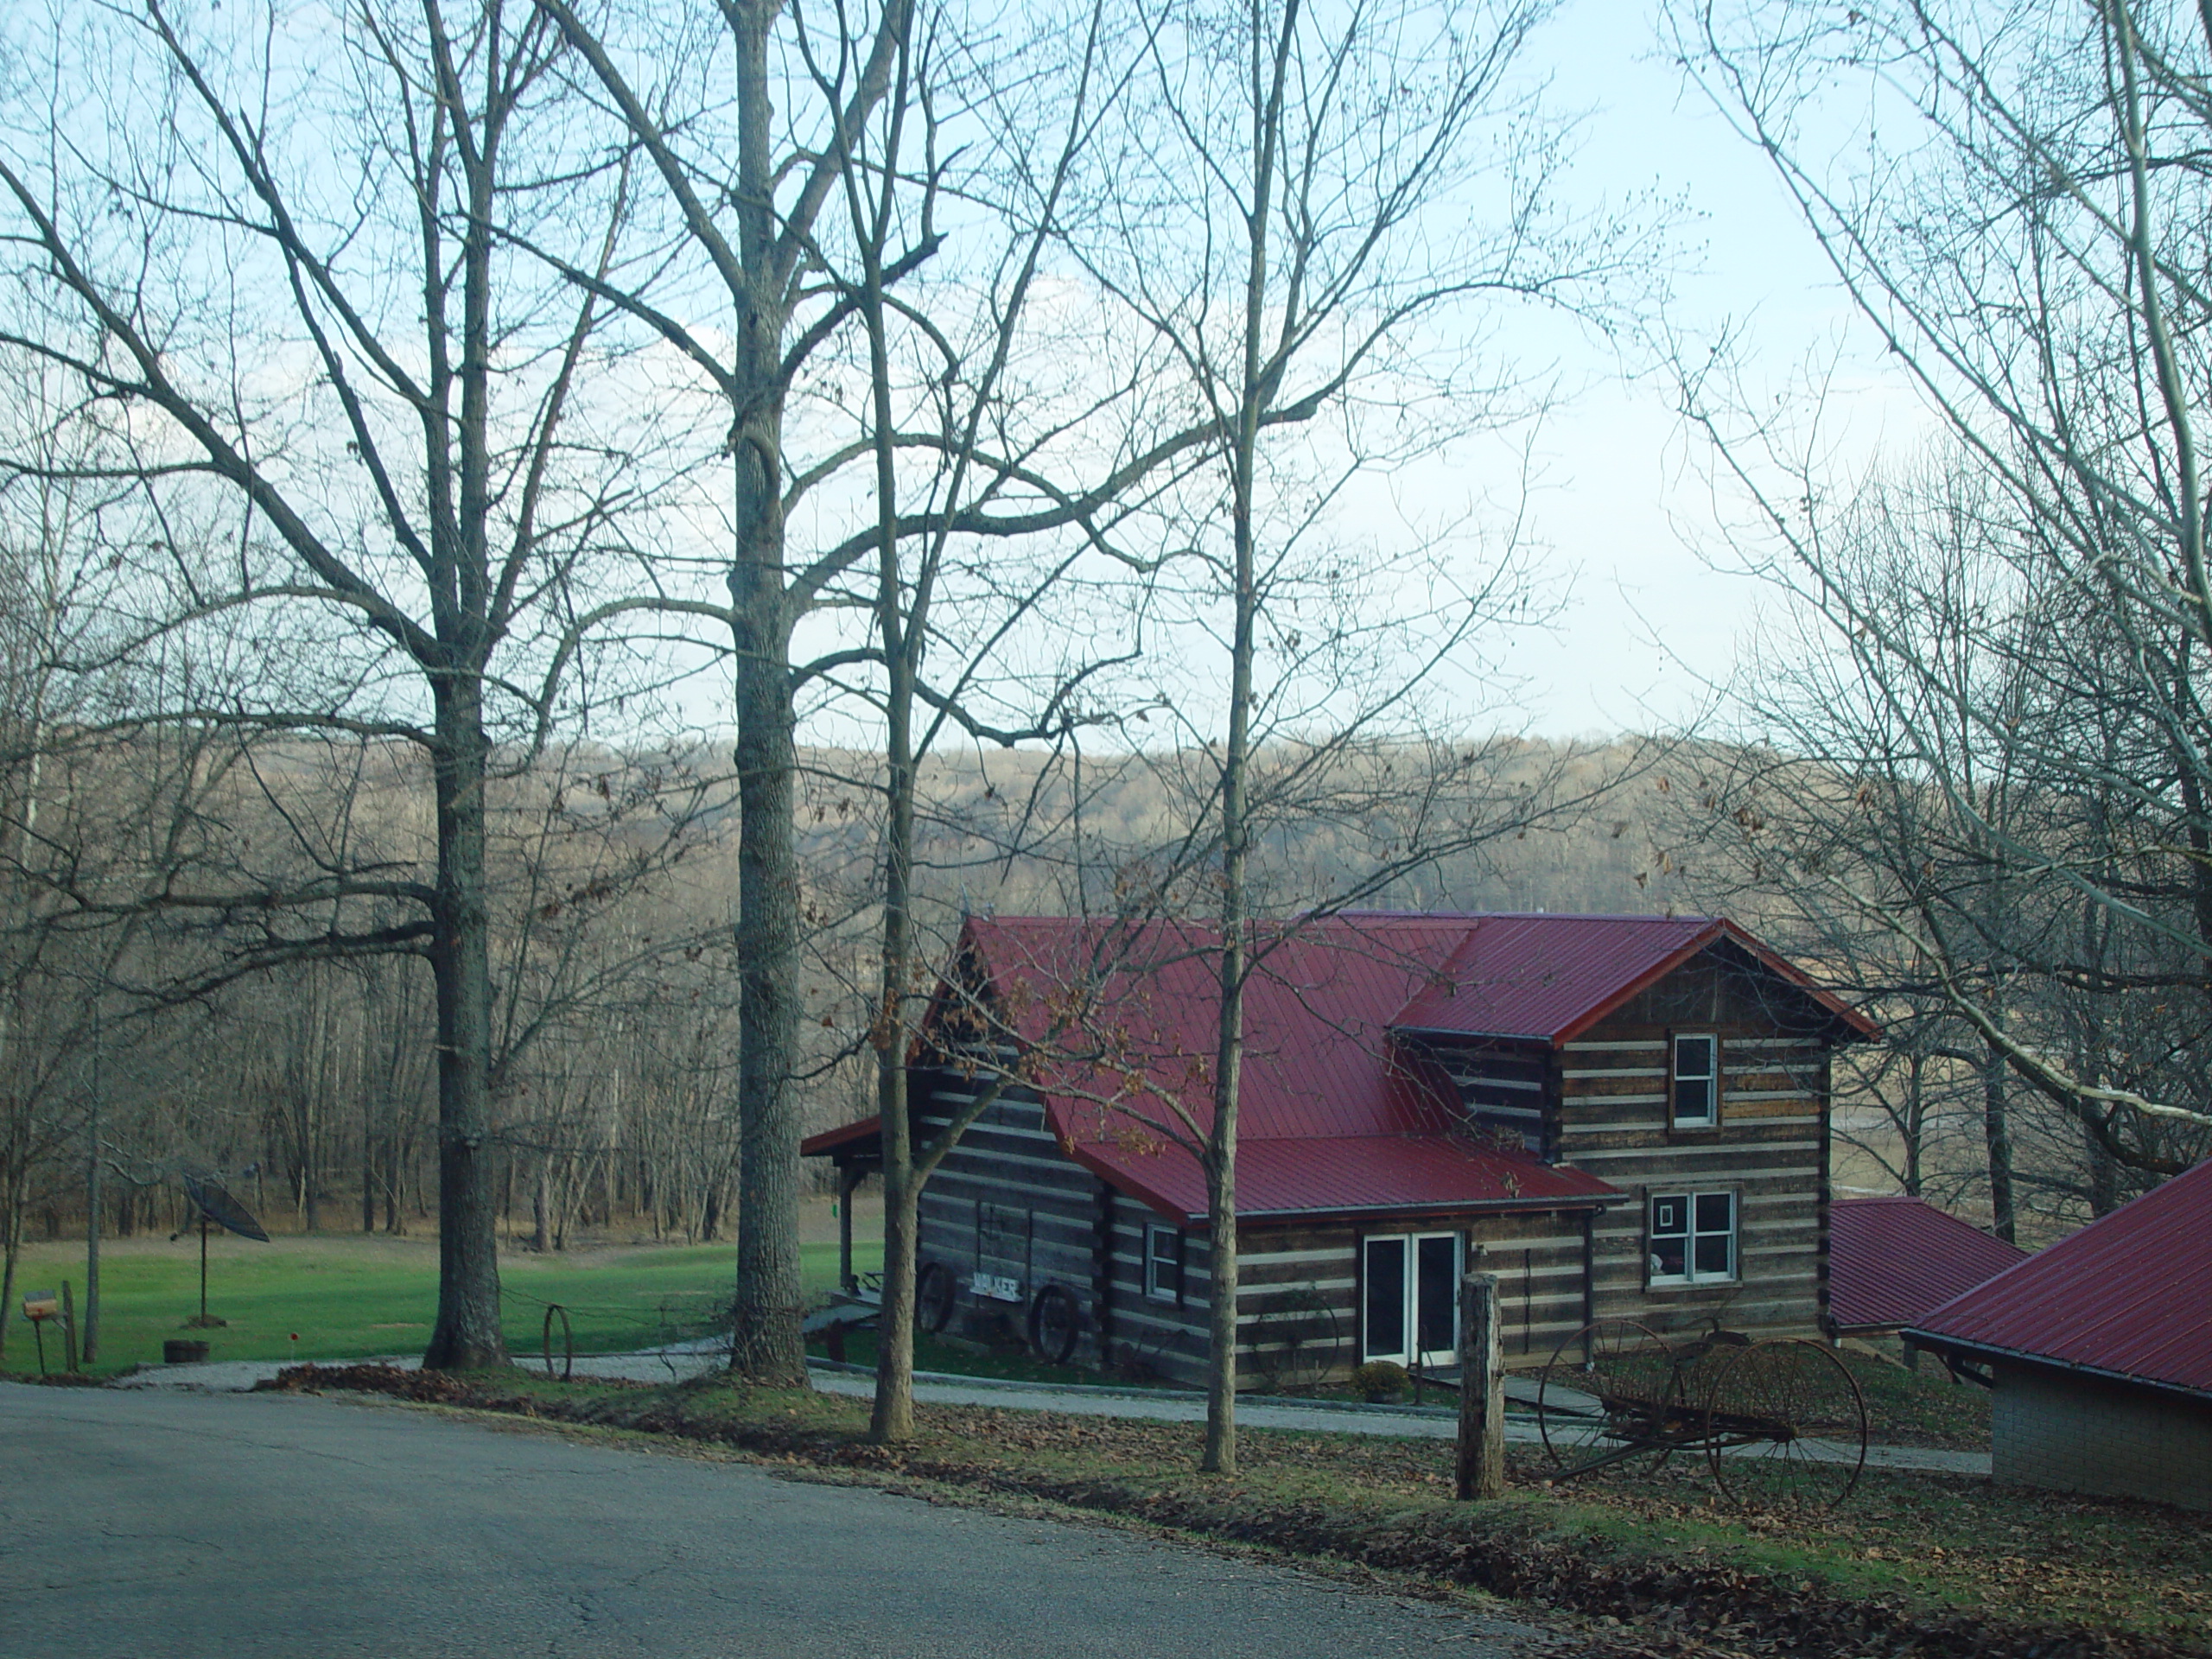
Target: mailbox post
x,y
39,1307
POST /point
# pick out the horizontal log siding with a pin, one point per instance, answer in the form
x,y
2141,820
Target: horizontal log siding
x,y
1297,1307
1297,1303
1770,1147
1166,1339
1009,1158
1502,1087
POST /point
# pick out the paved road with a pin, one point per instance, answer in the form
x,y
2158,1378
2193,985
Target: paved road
x,y
174,1525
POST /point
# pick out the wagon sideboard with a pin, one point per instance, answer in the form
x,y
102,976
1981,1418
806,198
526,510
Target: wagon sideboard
x,y
1663,1158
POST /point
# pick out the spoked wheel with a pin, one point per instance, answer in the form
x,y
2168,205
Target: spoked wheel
x,y
1786,1427
1055,1322
933,1296
1610,1398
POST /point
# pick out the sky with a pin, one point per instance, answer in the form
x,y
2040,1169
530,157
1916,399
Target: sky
x,y
1625,500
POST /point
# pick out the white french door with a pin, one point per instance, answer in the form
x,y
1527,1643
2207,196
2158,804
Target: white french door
x,y
1409,1297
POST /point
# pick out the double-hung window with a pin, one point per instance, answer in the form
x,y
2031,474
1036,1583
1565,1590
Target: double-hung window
x,y
1163,1263
1694,1081
1692,1238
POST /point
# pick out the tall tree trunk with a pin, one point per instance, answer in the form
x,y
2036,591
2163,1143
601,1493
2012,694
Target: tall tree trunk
x,y
467,1336
540,1221
1916,1121
11,1246
1997,1137
765,1344
893,1416
1220,1455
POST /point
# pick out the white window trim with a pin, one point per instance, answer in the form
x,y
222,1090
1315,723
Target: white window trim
x,y
1173,1295
1675,1118
1689,1275
1411,1289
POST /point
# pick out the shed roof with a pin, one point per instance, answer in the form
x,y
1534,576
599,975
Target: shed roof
x,y
1891,1260
2129,1296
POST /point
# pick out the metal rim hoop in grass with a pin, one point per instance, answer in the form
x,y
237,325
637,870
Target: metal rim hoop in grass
x,y
1785,1428
568,1342
1610,1397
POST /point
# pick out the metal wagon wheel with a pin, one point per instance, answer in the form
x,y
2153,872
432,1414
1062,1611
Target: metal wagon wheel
x,y
933,1296
1055,1322
1610,1398
1785,1428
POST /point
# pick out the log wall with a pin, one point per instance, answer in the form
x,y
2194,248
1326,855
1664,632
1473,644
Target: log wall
x,y
1770,1147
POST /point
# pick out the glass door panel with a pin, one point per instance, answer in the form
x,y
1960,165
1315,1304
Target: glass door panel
x,y
1436,1297
1383,1335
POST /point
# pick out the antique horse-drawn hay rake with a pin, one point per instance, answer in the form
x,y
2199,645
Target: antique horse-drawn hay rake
x,y
1781,1420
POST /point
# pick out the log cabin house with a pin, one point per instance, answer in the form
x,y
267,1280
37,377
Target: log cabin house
x,y
1627,1115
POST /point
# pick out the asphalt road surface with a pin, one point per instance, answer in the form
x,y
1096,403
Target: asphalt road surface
x,y
179,1526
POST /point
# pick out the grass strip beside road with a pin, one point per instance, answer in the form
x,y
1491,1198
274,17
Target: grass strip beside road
x,y
1915,1565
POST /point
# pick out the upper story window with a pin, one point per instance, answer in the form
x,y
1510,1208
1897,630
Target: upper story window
x,y
1694,1081
1163,1263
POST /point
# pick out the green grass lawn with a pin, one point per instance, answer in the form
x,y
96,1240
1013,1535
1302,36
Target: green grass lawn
x,y
349,1297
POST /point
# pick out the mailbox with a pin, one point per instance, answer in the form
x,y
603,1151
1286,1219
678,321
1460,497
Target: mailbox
x,y
42,1305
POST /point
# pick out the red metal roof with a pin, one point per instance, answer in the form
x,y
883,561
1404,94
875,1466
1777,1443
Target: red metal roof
x,y
869,1128
1552,977
2130,1295
1347,1176
1891,1260
1123,1021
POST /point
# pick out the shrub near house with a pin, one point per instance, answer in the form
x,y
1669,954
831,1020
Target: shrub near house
x,y
1627,1115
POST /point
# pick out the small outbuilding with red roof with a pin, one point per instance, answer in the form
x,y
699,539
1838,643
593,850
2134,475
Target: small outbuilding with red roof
x,y
2100,1352
1627,1115
1893,1260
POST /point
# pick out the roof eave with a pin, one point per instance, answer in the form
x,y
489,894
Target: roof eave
x,y
1452,1207
1943,1343
1542,1038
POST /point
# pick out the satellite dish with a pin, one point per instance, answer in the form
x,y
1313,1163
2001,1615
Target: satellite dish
x,y
215,1202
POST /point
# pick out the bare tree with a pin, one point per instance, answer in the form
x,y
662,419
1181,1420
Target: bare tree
x,y
372,399
1275,248
751,181
2020,228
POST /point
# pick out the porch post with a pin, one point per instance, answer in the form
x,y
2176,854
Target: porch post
x,y
850,1177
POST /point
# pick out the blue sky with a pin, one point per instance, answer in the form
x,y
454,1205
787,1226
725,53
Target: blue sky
x,y
1624,494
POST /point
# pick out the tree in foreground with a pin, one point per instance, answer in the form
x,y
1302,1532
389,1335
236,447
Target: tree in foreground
x,y
1307,206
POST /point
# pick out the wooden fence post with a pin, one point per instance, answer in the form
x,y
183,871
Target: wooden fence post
x,y
1482,1386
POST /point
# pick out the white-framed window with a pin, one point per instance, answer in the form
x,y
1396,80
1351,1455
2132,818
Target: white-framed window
x,y
1693,1080
1163,1262
1692,1238
1409,1297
